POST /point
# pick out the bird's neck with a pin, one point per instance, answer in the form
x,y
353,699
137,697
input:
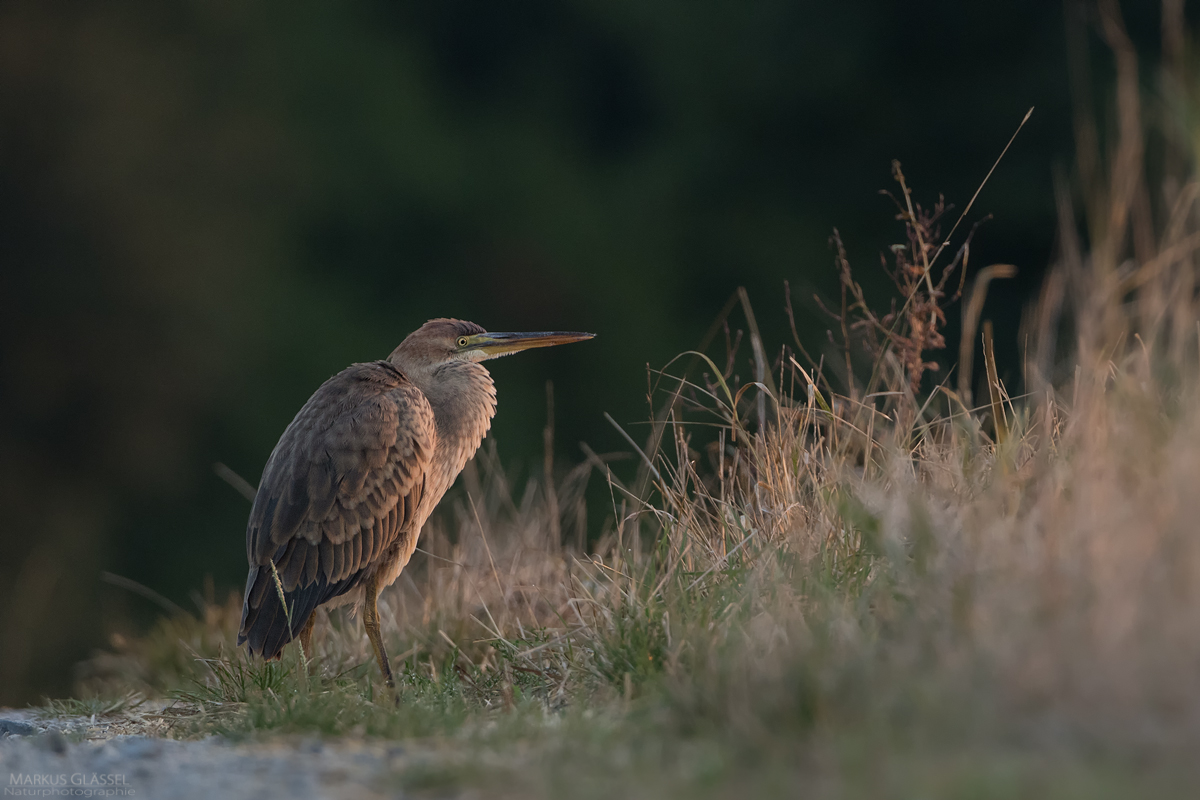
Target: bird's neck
x,y
463,398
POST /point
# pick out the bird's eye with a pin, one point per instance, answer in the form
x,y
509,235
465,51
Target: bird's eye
x,y
462,341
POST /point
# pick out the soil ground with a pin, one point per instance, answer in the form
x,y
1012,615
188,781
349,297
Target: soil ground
x,y
132,754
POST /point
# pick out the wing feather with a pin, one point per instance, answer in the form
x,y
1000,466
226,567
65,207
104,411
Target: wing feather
x,y
339,562
327,563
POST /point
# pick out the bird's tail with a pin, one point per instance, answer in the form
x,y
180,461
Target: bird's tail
x,y
272,616
266,623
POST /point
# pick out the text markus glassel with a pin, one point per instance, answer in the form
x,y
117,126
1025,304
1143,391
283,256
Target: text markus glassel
x,y
64,779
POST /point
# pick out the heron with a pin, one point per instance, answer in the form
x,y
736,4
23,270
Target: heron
x,y
358,471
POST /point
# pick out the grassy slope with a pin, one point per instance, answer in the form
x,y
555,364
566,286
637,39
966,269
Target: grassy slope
x,y
880,596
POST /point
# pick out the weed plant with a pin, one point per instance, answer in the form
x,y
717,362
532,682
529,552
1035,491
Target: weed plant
x,y
835,572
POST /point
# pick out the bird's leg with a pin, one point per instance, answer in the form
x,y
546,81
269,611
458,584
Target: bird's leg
x,y
306,651
371,623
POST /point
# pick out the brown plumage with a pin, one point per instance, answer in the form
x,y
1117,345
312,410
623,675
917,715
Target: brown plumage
x,y
358,471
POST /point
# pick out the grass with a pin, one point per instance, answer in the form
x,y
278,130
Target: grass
x,y
835,576
92,706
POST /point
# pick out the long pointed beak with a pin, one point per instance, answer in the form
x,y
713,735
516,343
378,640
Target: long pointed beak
x,y
501,344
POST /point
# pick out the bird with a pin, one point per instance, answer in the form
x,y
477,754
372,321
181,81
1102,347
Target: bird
x,y
357,472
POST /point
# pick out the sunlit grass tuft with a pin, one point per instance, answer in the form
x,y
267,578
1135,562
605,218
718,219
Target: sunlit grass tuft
x,y
828,572
94,706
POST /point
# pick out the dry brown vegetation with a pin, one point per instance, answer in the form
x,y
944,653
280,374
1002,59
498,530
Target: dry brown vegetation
x,y
827,561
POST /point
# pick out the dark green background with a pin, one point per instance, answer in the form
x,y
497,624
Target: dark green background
x,y
207,208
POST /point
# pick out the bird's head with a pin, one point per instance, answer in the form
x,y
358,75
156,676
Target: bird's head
x,y
442,341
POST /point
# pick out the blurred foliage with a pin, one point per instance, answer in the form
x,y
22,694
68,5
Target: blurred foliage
x,y
206,208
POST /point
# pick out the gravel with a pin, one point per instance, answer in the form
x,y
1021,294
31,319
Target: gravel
x,y
37,759
15,727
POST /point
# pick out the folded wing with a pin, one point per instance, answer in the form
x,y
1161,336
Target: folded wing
x,y
340,487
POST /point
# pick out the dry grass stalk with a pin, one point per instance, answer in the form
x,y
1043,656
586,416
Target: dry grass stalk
x,y
861,556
